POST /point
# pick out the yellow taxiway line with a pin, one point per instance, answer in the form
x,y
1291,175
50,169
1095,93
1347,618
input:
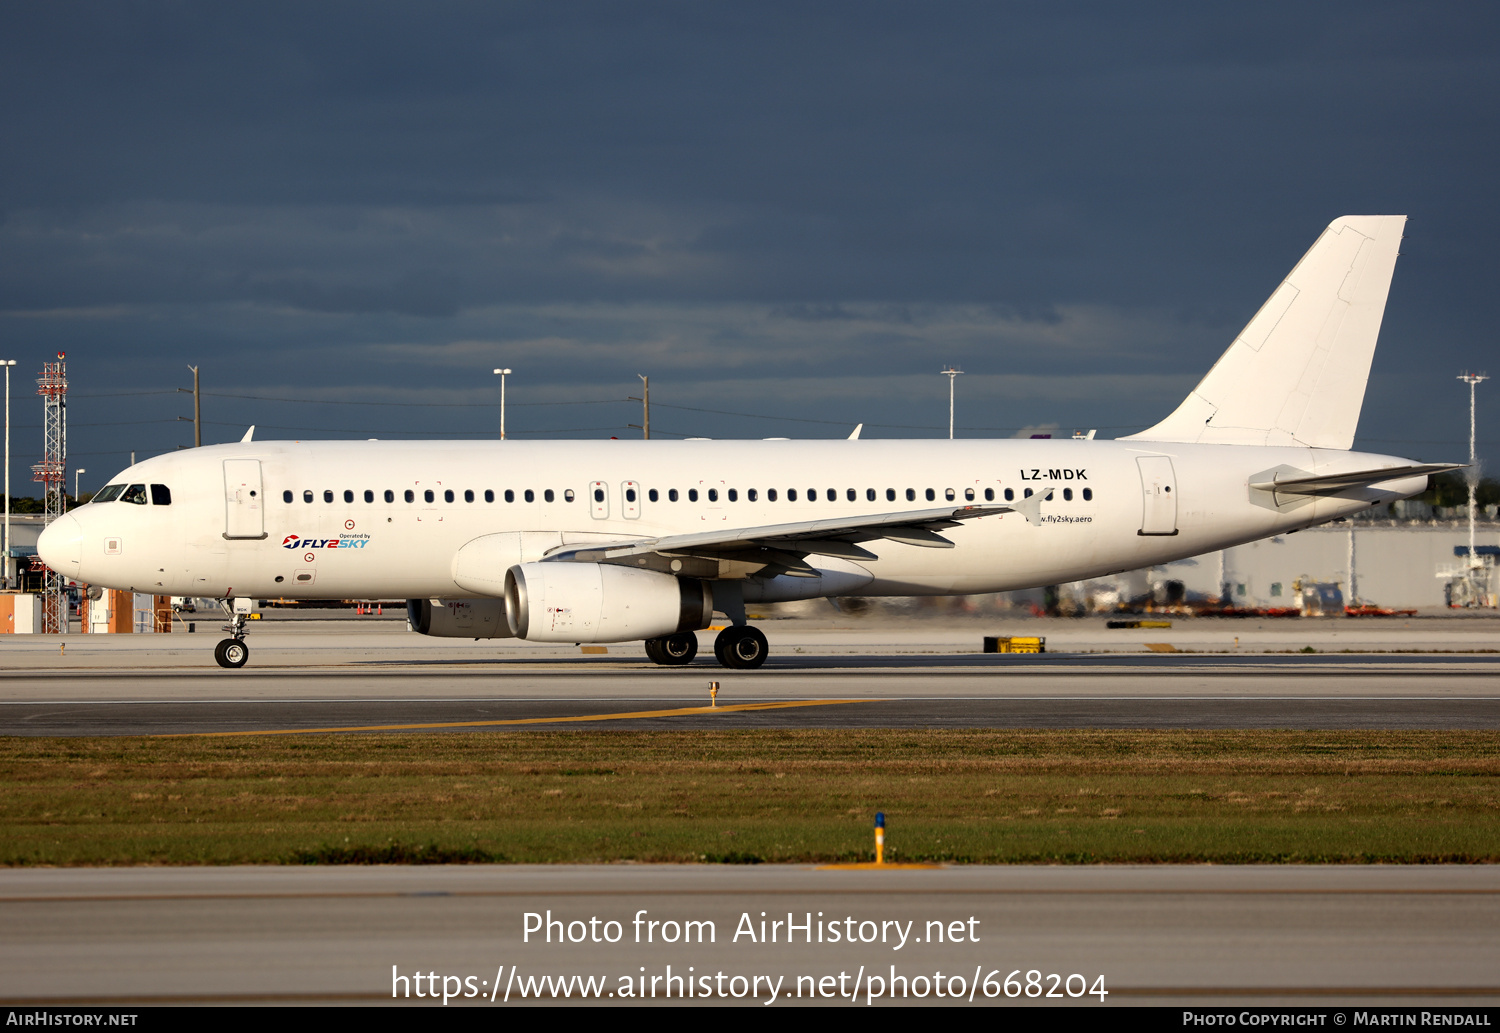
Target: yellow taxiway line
x,y
682,712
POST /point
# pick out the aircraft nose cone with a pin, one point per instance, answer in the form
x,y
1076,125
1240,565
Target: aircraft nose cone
x,y
61,545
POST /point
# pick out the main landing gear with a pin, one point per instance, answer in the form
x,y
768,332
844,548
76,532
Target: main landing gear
x,y
232,651
741,646
738,646
674,650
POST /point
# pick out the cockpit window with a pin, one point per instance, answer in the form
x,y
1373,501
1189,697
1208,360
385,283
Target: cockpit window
x,y
109,493
161,495
136,493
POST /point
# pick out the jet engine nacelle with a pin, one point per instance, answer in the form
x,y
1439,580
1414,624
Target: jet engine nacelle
x,y
458,618
602,602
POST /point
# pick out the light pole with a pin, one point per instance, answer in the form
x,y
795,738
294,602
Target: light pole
x,y
5,562
75,483
646,407
1472,475
502,374
952,373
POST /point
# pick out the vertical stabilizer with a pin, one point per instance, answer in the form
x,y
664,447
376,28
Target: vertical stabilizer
x,y
1296,374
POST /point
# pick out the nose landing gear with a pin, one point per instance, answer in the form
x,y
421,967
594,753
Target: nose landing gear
x,y
232,651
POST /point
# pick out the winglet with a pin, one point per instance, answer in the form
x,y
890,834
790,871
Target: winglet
x,y
249,434
855,435
1031,506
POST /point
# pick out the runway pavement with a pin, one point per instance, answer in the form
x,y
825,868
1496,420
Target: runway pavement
x,y
1371,936
326,674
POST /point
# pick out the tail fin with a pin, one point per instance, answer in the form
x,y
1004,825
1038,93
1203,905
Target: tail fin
x,y
1296,374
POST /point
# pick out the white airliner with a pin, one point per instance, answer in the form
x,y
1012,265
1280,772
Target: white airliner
x,y
572,541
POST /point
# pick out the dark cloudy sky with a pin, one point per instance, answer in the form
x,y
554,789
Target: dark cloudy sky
x,y
348,214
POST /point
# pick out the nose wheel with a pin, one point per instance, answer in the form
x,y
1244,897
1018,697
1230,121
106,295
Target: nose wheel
x,y
231,652
741,647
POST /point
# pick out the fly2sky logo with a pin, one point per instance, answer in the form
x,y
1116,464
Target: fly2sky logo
x,y
343,541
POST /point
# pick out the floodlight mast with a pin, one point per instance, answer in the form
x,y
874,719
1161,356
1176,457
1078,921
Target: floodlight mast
x,y
502,374
1473,380
952,373
5,575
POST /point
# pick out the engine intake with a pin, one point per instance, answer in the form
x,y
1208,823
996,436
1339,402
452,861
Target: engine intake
x,y
602,602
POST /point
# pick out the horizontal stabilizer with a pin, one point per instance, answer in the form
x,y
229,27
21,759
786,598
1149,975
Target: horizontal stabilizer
x,y
1333,483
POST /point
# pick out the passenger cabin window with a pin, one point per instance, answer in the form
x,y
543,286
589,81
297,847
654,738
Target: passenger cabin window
x,y
548,496
448,495
870,494
734,495
110,492
468,494
629,495
568,495
890,494
390,496
510,496
969,494
692,494
751,495
650,494
489,494
1010,494
911,494
791,494
327,495
286,496
989,494
713,494
671,494
428,496
771,494
135,494
1067,494
851,495
369,495
931,495
348,495
530,495
833,494
307,496
950,494
411,496
161,495
1088,494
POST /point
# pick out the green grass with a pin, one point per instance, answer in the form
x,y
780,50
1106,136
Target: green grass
x,y
754,796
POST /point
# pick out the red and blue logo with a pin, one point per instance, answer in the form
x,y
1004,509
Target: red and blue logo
x,y
293,541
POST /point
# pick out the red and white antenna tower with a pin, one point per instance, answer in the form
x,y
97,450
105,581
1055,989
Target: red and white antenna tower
x,y
52,474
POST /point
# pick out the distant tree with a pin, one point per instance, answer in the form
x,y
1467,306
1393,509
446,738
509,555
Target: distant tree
x,y
22,504
1451,489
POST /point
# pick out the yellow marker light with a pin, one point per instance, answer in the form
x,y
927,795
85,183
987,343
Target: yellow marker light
x,y
880,837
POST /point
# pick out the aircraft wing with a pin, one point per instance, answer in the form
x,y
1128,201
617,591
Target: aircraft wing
x,y
781,542
1332,484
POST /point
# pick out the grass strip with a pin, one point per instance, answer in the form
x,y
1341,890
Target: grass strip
x,y
746,797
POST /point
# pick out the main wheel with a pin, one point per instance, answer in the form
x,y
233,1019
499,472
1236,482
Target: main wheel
x,y
231,653
654,651
742,648
678,649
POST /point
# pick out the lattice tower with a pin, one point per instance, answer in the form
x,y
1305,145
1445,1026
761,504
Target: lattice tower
x,y
52,474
